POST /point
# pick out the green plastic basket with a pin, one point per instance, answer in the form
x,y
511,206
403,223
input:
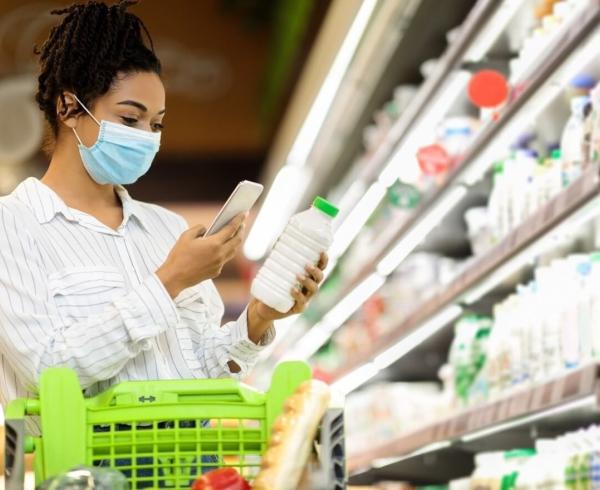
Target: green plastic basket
x,y
160,434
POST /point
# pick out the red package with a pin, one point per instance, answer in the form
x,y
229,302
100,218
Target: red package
x,y
433,159
488,88
221,479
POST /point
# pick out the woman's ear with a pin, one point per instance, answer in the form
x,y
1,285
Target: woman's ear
x,y
68,109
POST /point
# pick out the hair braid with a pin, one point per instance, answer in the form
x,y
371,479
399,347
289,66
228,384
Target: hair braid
x,y
84,53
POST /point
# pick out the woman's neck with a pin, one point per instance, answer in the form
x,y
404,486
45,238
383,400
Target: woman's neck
x,y
67,176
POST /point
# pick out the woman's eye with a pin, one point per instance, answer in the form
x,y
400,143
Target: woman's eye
x,y
158,127
129,120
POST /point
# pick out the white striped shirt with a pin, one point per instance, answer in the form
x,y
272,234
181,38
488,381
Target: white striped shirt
x,y
76,293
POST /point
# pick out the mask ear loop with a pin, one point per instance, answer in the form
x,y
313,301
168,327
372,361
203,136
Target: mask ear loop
x,y
89,113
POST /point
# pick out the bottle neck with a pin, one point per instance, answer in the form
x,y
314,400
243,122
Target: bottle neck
x,y
322,213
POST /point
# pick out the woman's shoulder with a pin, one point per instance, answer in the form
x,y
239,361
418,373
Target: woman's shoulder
x,y
14,211
18,224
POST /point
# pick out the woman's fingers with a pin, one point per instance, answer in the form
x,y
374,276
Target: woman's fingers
x,y
323,261
315,273
230,230
310,286
301,301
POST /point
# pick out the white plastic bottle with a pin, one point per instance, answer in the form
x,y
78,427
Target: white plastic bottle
x,y
594,150
572,141
305,237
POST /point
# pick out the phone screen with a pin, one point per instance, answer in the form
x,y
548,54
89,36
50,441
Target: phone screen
x,y
241,200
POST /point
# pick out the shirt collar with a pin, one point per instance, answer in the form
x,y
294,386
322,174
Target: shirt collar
x,y
46,204
131,207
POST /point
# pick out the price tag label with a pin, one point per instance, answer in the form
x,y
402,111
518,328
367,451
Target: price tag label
x,y
546,395
502,410
460,426
537,399
572,385
477,419
513,405
489,415
558,388
440,431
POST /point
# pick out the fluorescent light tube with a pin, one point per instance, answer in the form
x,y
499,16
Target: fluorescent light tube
x,y
310,343
344,309
337,316
355,221
407,243
322,104
287,189
285,192
417,336
355,378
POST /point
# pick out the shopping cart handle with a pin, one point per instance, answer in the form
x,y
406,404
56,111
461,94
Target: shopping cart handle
x,y
196,391
177,391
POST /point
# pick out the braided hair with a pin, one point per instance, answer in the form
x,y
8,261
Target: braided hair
x,y
85,52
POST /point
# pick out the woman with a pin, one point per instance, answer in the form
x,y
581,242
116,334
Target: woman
x,y
90,278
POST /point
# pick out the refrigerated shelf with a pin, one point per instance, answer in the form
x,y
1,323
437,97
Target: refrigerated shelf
x,y
449,61
577,30
403,237
564,403
567,206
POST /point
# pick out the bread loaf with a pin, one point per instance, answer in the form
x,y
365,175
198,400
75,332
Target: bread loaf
x,y
292,437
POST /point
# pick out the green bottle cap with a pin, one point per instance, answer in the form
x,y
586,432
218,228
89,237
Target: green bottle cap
x,y
520,453
556,154
325,206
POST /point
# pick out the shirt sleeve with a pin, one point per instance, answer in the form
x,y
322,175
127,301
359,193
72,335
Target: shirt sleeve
x,y
33,336
206,344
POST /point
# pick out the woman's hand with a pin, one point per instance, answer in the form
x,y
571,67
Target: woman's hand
x,y
261,316
194,258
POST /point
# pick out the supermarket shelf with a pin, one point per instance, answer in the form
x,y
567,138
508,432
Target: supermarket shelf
x,y
533,229
403,237
581,27
430,87
556,406
437,467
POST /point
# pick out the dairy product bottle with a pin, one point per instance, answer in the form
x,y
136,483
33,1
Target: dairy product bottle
x,y
305,237
594,143
572,141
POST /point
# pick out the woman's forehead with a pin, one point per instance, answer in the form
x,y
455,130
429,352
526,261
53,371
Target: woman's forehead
x,y
144,87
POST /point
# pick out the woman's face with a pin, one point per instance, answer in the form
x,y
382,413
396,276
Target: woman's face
x,y
135,99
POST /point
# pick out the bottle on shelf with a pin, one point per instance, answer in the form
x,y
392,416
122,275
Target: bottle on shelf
x,y
594,144
572,141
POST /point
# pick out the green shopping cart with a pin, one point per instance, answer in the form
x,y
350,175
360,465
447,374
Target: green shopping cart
x,y
160,434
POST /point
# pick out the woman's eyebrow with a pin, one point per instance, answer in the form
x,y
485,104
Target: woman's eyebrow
x,y
139,105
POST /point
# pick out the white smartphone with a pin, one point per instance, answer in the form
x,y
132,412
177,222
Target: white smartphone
x,y
243,197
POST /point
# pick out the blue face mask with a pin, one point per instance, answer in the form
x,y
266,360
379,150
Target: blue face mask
x,y
121,155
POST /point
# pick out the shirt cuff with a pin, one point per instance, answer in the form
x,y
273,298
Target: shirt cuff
x,y
239,333
147,311
242,350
